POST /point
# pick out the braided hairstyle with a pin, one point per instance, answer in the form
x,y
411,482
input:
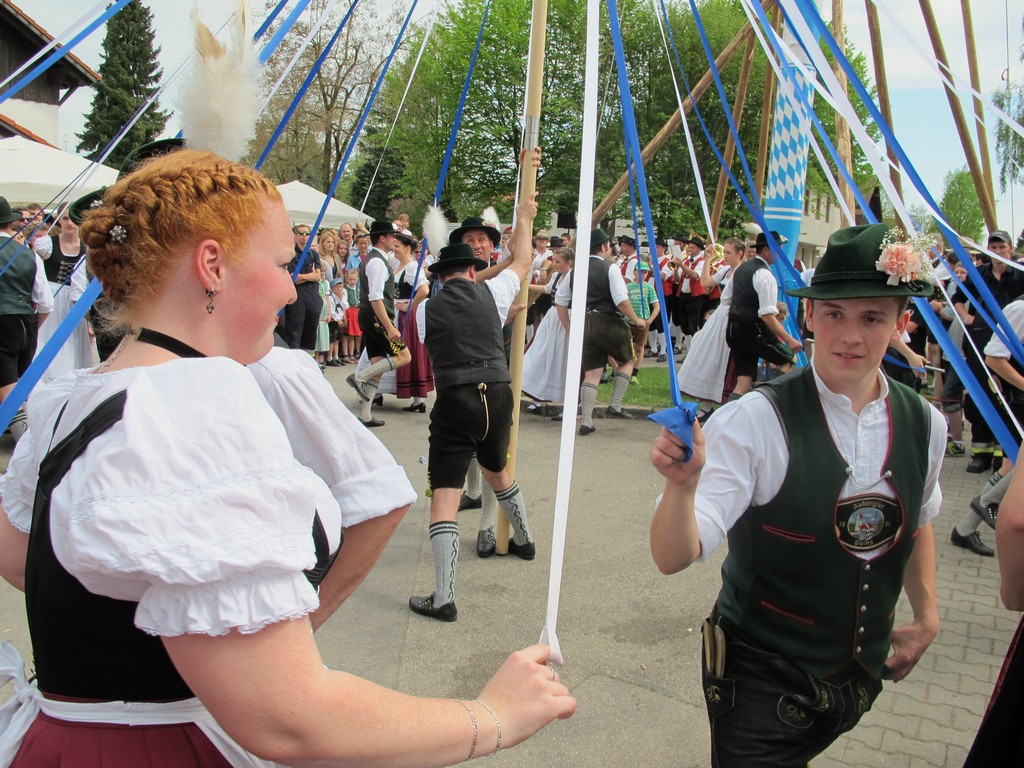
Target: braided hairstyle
x,y
169,205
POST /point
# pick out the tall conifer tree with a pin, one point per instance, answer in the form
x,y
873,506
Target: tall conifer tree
x,y
130,75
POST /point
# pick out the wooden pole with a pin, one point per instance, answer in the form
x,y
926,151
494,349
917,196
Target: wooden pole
x,y
730,144
987,208
527,186
882,82
766,111
979,111
843,146
674,122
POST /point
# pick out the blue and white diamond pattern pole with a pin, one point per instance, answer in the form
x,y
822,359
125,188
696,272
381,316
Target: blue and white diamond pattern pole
x,y
787,163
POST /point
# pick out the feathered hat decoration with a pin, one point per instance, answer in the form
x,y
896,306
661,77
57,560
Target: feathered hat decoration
x,y
220,101
435,229
490,217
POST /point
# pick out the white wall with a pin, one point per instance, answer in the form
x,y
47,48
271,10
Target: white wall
x,y
41,119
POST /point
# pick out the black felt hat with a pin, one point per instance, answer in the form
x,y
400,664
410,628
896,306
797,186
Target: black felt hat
x,y
468,225
849,268
762,239
7,215
381,227
135,158
456,256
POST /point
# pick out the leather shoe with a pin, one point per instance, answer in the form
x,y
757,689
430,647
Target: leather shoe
x,y
526,551
557,417
468,502
986,512
585,430
485,542
618,413
372,423
424,606
418,408
972,542
358,386
378,400
981,462
662,358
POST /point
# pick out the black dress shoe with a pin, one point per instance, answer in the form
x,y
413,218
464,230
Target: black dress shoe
x,y
585,430
468,502
358,386
987,512
981,462
485,542
972,542
533,408
418,408
378,400
618,413
526,551
372,423
557,417
424,606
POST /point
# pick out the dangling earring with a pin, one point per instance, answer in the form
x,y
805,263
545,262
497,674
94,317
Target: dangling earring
x,y
210,293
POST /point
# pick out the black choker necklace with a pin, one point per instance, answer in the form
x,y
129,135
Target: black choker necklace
x,y
171,344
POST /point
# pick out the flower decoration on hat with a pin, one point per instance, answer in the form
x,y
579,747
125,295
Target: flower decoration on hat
x,y
905,260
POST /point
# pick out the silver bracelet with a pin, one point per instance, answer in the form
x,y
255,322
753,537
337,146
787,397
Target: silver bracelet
x,y
497,724
476,730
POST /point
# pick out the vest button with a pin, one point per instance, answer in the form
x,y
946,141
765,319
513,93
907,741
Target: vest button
x,y
858,649
867,566
866,587
860,630
863,609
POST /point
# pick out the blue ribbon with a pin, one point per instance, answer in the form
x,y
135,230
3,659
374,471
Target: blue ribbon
x,y
268,21
305,87
636,234
286,27
358,129
678,420
62,51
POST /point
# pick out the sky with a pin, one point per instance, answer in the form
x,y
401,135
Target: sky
x,y
921,116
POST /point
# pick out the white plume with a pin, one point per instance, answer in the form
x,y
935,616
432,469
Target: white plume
x,y
751,228
490,217
435,227
221,97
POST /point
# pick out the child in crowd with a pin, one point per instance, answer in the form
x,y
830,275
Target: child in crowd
x,y
350,341
338,303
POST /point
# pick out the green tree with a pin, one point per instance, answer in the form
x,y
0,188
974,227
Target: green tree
x,y
129,76
1010,146
960,204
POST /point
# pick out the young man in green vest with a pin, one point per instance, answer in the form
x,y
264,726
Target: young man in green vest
x,y
825,482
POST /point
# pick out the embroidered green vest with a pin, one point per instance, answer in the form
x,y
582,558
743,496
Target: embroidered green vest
x,y
18,279
793,582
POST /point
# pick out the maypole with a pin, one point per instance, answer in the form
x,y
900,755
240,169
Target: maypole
x,y
843,144
783,202
730,144
527,186
882,83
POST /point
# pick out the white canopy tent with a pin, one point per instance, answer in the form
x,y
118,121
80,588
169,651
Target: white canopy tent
x,y
31,172
303,203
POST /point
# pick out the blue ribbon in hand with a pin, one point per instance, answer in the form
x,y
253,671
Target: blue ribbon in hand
x,y
679,421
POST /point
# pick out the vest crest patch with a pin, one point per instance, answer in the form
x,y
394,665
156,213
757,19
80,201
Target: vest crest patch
x,y
868,523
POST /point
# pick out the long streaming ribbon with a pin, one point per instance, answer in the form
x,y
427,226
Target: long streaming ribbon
x,y
577,319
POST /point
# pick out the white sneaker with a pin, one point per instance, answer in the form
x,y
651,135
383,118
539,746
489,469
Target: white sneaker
x,y
18,425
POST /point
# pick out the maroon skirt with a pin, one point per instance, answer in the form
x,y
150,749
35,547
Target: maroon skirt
x,y
52,743
417,378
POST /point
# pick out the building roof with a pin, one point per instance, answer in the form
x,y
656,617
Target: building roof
x,y
14,20
9,127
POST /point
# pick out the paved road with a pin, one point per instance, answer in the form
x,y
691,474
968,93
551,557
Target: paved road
x,y
629,635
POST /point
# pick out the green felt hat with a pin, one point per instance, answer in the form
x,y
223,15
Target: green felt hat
x,y
598,237
854,266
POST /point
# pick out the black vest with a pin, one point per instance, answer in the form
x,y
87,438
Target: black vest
x,y
599,291
19,266
60,266
366,314
744,297
464,337
87,645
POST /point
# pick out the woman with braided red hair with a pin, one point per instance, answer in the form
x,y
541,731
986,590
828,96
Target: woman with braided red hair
x,y
169,543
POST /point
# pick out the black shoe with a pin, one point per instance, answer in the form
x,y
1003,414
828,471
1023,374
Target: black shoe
x,y
468,502
418,408
981,462
585,430
618,413
703,416
424,606
662,358
358,386
986,512
378,400
372,423
649,354
557,417
972,542
526,551
533,408
485,542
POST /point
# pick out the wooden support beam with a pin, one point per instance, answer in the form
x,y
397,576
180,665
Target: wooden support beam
x,y
730,144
